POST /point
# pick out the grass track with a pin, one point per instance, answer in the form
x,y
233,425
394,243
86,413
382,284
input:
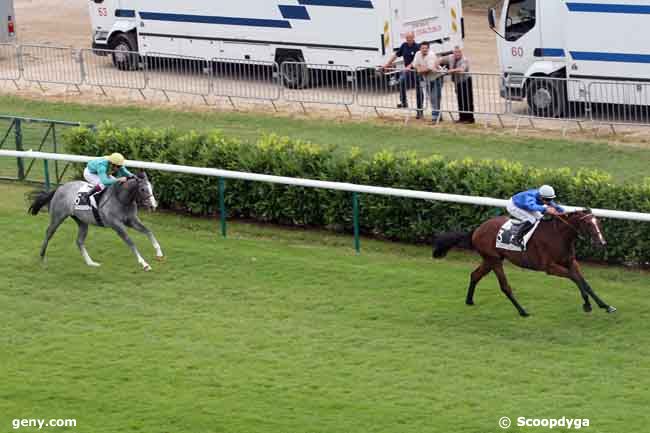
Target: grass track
x,y
289,331
624,163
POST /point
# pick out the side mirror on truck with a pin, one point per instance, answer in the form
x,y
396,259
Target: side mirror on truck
x,y
492,18
492,21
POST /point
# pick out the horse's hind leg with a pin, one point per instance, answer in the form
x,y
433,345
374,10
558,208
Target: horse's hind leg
x,y
483,269
506,289
81,239
55,222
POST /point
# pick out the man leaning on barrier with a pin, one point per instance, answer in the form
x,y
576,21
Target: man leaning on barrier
x,y
427,65
459,68
407,77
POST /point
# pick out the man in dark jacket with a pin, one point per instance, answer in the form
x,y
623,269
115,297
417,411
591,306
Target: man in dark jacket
x,y
408,77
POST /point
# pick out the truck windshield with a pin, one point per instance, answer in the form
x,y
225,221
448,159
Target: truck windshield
x,y
520,18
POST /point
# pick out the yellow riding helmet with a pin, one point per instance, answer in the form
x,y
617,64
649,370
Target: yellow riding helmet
x,y
116,159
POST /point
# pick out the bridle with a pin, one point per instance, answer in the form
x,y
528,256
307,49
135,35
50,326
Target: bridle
x,y
568,224
139,198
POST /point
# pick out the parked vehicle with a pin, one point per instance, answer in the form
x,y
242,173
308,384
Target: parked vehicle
x,y
590,43
7,21
356,33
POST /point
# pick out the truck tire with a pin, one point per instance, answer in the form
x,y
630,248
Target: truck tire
x,y
125,46
294,73
546,98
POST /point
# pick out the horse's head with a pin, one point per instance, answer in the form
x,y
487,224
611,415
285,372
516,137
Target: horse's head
x,y
586,223
144,191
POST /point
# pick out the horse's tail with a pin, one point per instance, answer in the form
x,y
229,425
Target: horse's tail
x,y
39,199
442,243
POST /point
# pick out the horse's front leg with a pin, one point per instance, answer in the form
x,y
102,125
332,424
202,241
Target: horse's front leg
x,y
121,232
576,277
575,268
136,224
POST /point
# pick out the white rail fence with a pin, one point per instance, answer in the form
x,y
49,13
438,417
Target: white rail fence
x,y
309,183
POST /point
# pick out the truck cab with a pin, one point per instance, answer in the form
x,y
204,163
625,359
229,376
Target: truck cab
x,y
530,44
111,20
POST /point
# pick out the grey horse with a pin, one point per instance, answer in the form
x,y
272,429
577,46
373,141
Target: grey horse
x,y
117,208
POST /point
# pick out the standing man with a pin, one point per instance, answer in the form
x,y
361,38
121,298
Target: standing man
x,y
459,67
407,76
427,65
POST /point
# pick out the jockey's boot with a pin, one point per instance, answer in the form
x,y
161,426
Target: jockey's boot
x,y
523,228
94,194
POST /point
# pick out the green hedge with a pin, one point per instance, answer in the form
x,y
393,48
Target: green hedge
x,y
392,218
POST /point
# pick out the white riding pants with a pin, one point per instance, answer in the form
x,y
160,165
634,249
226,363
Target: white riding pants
x,y
93,179
522,214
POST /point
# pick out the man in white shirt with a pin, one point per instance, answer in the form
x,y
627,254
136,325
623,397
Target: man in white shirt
x,y
428,67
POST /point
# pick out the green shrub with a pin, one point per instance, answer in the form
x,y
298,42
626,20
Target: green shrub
x,y
389,217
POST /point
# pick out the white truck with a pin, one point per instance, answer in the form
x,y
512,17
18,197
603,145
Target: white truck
x,y
7,22
590,42
356,33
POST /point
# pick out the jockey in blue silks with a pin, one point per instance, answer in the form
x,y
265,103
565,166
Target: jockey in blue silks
x,y
529,207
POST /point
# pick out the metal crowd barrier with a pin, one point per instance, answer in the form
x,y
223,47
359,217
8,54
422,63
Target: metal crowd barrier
x,y
619,103
50,64
100,71
9,65
477,93
318,84
178,74
246,79
547,98
534,98
381,88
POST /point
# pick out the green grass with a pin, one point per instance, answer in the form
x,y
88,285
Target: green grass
x,y
626,163
288,331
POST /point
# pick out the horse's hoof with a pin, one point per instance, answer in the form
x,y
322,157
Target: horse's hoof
x,y
146,268
586,308
611,309
469,302
161,258
524,314
94,264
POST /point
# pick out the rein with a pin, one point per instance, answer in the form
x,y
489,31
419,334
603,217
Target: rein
x,y
137,199
568,224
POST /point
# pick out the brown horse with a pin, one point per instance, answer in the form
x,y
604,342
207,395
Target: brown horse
x,y
551,249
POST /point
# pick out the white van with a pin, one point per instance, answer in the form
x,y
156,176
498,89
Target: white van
x,y
356,33
7,22
591,42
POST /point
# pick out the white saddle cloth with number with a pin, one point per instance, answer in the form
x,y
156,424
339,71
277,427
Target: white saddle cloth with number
x,y
81,198
506,236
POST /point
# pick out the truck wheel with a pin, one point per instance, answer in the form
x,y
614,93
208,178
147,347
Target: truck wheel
x,y
294,73
546,98
124,57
